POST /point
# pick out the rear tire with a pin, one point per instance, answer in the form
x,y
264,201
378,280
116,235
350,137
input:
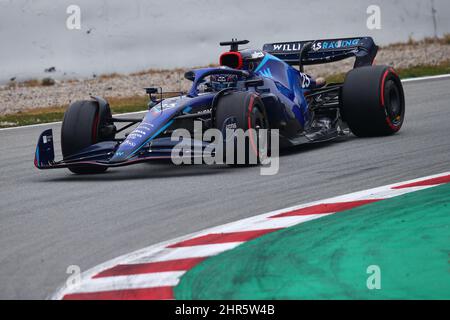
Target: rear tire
x,y
81,128
373,102
242,110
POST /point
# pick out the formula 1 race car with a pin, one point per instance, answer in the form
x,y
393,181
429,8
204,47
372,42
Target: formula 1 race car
x,y
252,89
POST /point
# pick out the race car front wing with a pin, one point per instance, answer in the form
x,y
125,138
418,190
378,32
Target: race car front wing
x,y
100,153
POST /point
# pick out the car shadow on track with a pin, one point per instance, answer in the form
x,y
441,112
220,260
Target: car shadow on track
x,y
314,146
143,171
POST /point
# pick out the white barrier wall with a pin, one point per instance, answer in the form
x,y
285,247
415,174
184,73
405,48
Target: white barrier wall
x,y
127,36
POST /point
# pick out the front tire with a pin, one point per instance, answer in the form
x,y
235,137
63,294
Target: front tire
x,y
81,128
373,102
243,110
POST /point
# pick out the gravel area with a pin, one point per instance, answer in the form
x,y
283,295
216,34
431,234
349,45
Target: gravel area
x,y
15,97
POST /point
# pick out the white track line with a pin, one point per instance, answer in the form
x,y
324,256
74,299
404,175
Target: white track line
x,y
161,279
59,122
442,76
162,252
168,254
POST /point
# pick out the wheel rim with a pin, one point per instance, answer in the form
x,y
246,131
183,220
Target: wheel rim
x,y
393,103
259,124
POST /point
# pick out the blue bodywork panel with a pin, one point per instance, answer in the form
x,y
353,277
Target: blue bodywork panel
x,y
156,121
289,82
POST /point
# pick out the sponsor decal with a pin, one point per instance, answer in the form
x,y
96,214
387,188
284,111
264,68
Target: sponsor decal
x,y
293,46
47,139
208,110
317,46
134,135
306,80
146,126
139,131
230,123
221,78
335,44
129,143
257,54
332,44
231,126
266,73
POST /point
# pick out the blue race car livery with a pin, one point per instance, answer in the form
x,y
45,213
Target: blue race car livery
x,y
251,89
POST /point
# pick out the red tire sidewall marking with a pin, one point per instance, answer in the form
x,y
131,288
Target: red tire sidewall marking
x,y
388,121
382,86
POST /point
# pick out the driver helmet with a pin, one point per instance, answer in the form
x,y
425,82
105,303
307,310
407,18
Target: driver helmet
x,y
223,81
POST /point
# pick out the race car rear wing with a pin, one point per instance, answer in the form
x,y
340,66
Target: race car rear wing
x,y
324,51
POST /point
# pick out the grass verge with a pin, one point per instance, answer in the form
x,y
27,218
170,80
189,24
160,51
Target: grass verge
x,y
52,114
139,103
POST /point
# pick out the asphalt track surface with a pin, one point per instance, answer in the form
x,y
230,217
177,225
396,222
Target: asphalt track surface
x,y
52,219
